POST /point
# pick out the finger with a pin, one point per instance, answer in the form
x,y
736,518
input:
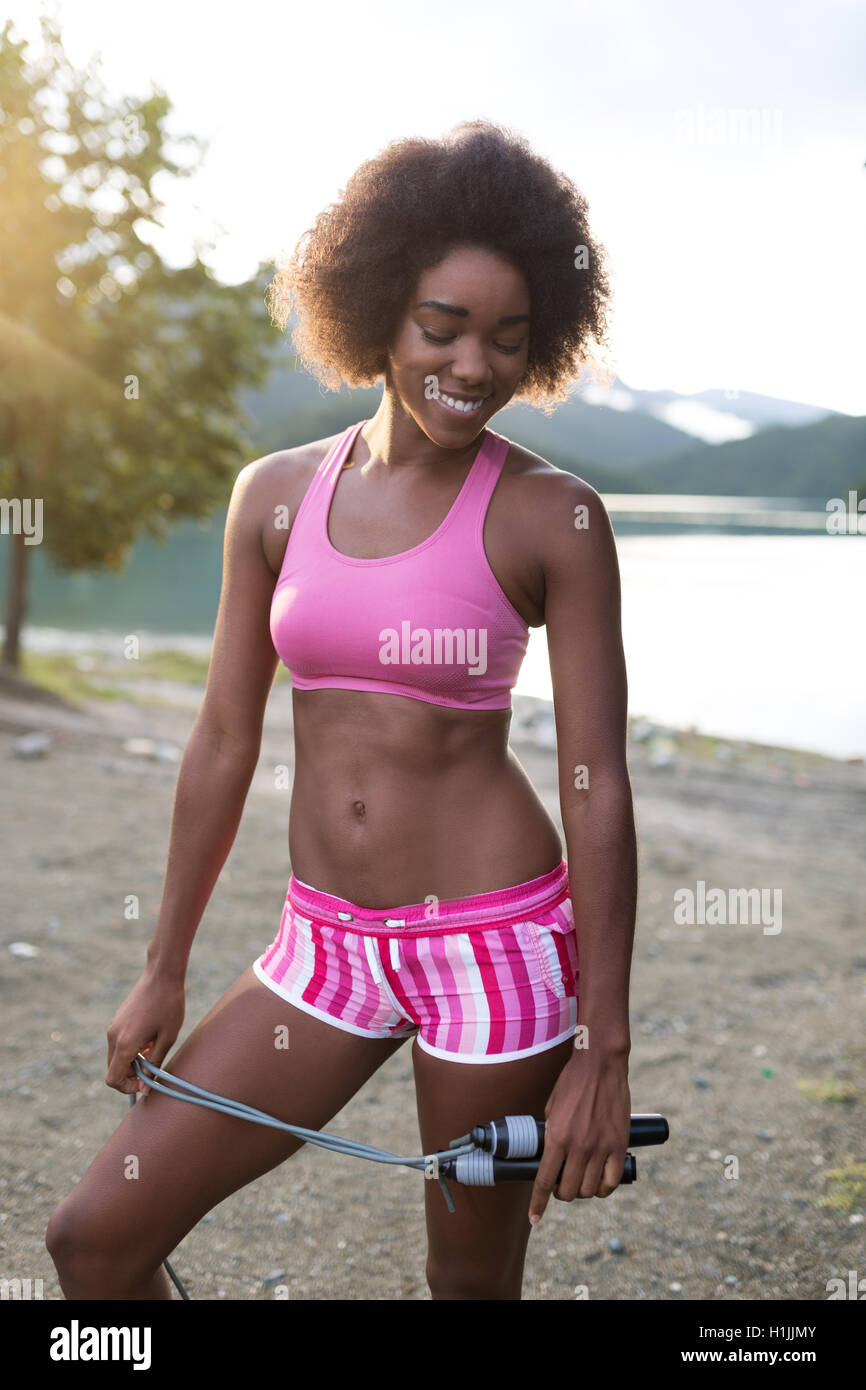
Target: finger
x,y
573,1174
154,1059
121,1077
545,1181
161,1045
593,1174
132,1077
116,1075
612,1175
121,1074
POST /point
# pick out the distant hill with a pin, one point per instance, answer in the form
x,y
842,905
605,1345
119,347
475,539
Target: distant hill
x,y
624,446
815,461
758,411
292,408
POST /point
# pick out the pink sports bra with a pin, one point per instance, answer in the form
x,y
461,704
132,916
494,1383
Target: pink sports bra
x,y
432,622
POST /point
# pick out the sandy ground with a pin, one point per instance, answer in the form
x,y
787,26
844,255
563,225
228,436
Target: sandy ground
x,y
752,1044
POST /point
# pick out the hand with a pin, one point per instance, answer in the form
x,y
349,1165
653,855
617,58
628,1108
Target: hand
x,y
148,1021
588,1118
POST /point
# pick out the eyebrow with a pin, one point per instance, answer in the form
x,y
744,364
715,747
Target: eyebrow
x,y
456,309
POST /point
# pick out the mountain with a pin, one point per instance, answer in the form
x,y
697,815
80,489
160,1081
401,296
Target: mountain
x,y
617,438
813,461
714,416
292,407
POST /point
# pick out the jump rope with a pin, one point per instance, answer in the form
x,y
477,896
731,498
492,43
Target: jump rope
x,y
505,1150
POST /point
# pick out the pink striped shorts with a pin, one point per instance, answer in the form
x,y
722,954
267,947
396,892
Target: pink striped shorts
x,y
488,978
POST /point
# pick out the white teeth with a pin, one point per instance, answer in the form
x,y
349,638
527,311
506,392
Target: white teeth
x,y
463,406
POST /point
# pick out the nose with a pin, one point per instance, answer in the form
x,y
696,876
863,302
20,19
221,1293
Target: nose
x,y
470,364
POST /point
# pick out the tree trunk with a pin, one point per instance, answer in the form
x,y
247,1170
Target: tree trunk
x,y
16,598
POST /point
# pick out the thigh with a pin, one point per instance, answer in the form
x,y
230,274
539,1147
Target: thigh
x,y
169,1162
478,1251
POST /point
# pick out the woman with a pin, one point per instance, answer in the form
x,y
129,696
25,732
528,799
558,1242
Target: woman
x,y
430,897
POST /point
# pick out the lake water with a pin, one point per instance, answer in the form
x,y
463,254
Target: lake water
x,y
750,636
747,633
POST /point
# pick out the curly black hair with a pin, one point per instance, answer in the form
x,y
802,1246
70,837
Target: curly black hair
x,y
351,275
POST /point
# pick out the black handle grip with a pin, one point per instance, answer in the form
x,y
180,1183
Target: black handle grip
x,y
526,1169
522,1136
648,1129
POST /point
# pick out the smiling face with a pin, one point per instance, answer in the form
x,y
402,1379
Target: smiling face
x,y
466,327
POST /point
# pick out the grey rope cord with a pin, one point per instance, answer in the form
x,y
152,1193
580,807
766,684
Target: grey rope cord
x,y
428,1163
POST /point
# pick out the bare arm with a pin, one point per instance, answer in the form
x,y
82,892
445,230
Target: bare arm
x,y
587,663
213,781
223,748
588,1112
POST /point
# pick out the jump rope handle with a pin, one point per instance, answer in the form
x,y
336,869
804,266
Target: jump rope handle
x,y
522,1136
480,1169
509,1149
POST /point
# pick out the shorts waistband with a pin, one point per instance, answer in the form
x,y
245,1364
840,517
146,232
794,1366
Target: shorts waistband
x,y
498,908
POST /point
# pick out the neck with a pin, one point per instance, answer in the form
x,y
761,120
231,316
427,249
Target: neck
x,y
393,439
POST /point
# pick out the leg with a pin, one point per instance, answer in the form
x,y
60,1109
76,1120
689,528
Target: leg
x,y
109,1236
478,1251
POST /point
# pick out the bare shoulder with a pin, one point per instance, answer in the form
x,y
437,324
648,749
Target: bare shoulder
x,y
550,504
545,480
288,469
273,487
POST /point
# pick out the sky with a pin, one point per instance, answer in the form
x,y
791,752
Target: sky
x,y
721,148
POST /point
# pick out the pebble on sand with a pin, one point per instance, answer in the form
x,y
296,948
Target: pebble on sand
x,y
33,745
160,750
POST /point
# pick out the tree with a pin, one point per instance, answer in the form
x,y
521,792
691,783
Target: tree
x,y
118,373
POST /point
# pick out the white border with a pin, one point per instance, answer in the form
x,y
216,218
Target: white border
x,y
320,1013
495,1057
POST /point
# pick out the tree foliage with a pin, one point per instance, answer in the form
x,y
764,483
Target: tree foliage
x,y
118,372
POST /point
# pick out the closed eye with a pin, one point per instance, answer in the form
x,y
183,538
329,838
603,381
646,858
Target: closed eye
x,y
503,347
